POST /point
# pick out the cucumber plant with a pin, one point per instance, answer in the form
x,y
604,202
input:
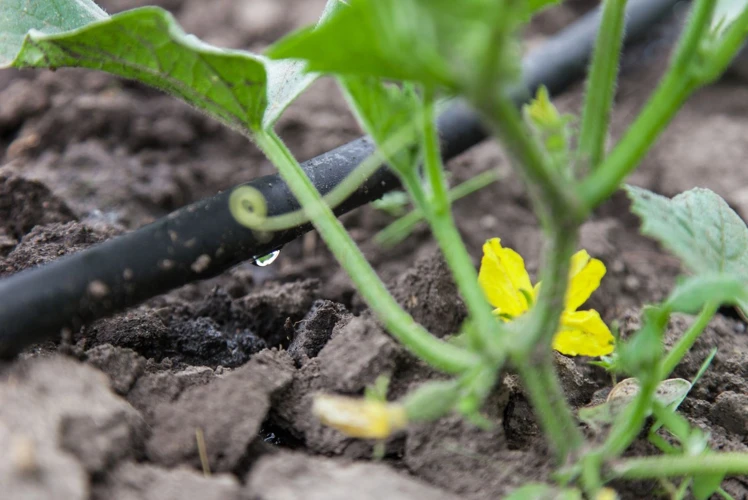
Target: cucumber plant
x,y
469,50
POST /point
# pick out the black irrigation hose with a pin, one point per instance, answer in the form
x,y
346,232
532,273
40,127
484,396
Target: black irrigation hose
x,y
203,239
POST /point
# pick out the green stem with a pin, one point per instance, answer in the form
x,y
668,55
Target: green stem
x,y
721,492
636,142
433,159
601,83
681,465
684,344
676,86
413,336
628,425
590,477
399,229
694,33
546,313
547,398
445,232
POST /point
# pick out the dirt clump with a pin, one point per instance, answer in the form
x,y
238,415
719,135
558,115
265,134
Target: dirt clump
x,y
428,292
229,411
61,423
220,330
140,329
358,353
315,330
46,243
26,203
130,481
122,365
287,476
470,462
164,385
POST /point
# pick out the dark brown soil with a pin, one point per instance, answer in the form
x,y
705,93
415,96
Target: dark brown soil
x,y
115,410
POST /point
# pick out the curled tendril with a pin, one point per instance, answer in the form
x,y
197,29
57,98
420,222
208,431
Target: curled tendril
x,y
249,207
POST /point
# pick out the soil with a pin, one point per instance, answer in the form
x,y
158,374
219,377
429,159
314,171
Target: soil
x,y
122,408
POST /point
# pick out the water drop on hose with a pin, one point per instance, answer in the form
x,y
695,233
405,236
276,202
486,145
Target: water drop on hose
x,y
267,259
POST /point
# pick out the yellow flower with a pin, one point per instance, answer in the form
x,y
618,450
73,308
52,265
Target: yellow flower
x,y
507,287
361,418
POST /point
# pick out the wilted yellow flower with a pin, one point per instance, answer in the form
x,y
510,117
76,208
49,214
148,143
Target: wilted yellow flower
x,y
507,286
361,418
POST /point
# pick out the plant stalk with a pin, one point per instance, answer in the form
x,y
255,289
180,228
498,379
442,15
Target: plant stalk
x,y
547,398
684,344
677,85
682,465
601,84
628,425
533,356
441,355
667,100
439,214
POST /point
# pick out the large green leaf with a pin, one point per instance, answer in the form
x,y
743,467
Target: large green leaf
x,y
288,78
699,228
17,17
434,42
246,91
383,38
705,485
148,45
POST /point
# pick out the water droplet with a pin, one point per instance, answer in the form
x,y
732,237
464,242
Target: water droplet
x,y
266,260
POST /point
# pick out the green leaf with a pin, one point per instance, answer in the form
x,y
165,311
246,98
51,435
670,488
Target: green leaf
x,y
552,129
699,228
644,349
148,45
367,38
288,78
705,485
690,295
438,43
394,203
536,6
245,91
17,17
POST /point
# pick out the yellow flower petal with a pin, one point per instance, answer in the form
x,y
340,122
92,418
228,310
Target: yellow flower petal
x,y
583,333
584,278
360,418
502,276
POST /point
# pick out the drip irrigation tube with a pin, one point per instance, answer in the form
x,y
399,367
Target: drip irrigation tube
x,y
203,239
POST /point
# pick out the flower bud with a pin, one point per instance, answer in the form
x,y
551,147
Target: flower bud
x,y
360,418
